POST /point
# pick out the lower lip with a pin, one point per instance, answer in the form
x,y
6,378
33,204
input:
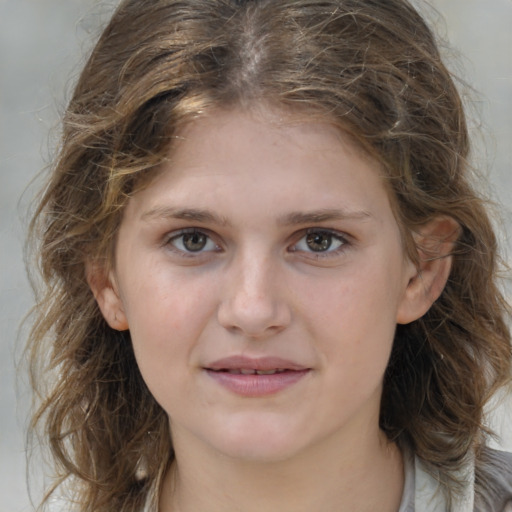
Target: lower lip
x,y
257,385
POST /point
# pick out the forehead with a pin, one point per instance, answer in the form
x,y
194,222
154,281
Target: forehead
x,y
265,160
260,130
286,122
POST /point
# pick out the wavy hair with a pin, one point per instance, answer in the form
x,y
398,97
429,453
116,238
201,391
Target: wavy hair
x,y
370,66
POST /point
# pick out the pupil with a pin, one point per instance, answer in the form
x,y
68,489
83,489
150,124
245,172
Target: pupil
x,y
319,241
194,241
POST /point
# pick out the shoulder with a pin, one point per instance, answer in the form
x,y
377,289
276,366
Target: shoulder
x,y
493,481
489,487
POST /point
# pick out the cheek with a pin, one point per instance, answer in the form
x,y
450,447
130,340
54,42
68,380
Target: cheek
x,y
354,317
167,301
166,316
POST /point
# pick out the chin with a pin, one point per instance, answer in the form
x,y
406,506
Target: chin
x,y
259,452
258,442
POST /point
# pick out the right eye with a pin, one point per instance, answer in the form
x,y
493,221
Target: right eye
x,y
192,241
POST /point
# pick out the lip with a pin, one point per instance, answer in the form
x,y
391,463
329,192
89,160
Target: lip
x,y
223,371
254,363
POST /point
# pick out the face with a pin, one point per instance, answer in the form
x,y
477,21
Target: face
x,y
261,274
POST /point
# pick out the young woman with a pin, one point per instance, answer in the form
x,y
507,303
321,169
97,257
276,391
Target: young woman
x,y
269,281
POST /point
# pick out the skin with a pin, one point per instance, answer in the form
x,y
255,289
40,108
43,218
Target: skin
x,y
252,186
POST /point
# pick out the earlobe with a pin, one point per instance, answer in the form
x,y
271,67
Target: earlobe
x,y
105,292
435,242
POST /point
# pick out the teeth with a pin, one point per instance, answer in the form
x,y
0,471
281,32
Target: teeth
x,y
245,371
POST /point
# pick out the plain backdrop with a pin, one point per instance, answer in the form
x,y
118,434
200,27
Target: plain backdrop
x,y
43,44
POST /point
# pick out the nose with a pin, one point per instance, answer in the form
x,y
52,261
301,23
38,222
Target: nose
x,y
254,302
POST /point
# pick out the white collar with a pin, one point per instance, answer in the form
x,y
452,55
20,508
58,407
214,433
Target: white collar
x,y
429,496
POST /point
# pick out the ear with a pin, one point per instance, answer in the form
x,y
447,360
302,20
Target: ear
x,y
434,242
105,291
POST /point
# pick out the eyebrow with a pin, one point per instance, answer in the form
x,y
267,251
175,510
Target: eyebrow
x,y
293,218
191,214
324,215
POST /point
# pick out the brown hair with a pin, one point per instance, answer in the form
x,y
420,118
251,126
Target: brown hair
x,y
372,67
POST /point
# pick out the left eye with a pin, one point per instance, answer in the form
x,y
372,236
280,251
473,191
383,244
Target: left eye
x,y
193,241
319,241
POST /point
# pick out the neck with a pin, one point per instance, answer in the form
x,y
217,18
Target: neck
x,y
356,478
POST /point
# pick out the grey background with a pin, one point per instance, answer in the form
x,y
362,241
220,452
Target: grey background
x,y
42,46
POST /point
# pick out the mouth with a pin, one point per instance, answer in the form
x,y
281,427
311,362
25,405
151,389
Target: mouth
x,y
254,365
258,377
248,371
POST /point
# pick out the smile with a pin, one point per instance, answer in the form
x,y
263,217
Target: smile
x,y
259,377
244,371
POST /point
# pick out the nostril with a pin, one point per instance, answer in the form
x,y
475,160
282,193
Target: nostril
x,y
254,317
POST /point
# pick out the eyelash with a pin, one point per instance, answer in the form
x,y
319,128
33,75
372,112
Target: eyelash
x,y
335,236
176,236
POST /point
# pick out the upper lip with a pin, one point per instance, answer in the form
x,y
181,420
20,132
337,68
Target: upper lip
x,y
257,363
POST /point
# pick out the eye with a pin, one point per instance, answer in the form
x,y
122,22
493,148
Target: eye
x,y
320,241
192,241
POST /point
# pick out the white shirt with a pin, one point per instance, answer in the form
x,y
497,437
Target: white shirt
x,y
423,493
